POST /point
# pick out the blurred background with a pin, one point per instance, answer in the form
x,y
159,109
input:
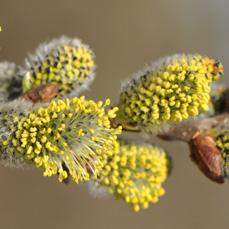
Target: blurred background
x,y
125,35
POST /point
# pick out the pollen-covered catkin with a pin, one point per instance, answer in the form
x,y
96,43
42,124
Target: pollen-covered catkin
x,y
64,61
171,90
135,173
10,114
70,138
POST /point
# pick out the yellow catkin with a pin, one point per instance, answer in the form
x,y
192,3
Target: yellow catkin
x,y
68,63
171,91
76,146
135,173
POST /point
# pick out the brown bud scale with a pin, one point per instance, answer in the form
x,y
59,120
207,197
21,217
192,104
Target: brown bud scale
x,y
43,93
207,156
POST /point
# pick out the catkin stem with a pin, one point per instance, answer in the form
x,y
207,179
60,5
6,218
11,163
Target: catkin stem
x,y
186,130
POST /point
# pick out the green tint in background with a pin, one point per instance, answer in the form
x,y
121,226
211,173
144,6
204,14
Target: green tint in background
x,y
125,35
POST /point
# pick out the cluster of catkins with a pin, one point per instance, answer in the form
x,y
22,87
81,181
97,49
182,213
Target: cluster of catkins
x,y
79,139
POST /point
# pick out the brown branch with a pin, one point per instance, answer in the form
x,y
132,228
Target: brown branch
x,y
186,130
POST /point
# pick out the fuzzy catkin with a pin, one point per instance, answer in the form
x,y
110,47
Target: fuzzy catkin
x,y
71,138
135,173
171,90
64,61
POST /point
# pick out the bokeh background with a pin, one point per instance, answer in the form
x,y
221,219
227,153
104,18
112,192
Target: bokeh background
x,y
125,35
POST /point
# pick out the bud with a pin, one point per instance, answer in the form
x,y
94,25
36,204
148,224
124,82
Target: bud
x,y
207,156
71,138
135,173
170,90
